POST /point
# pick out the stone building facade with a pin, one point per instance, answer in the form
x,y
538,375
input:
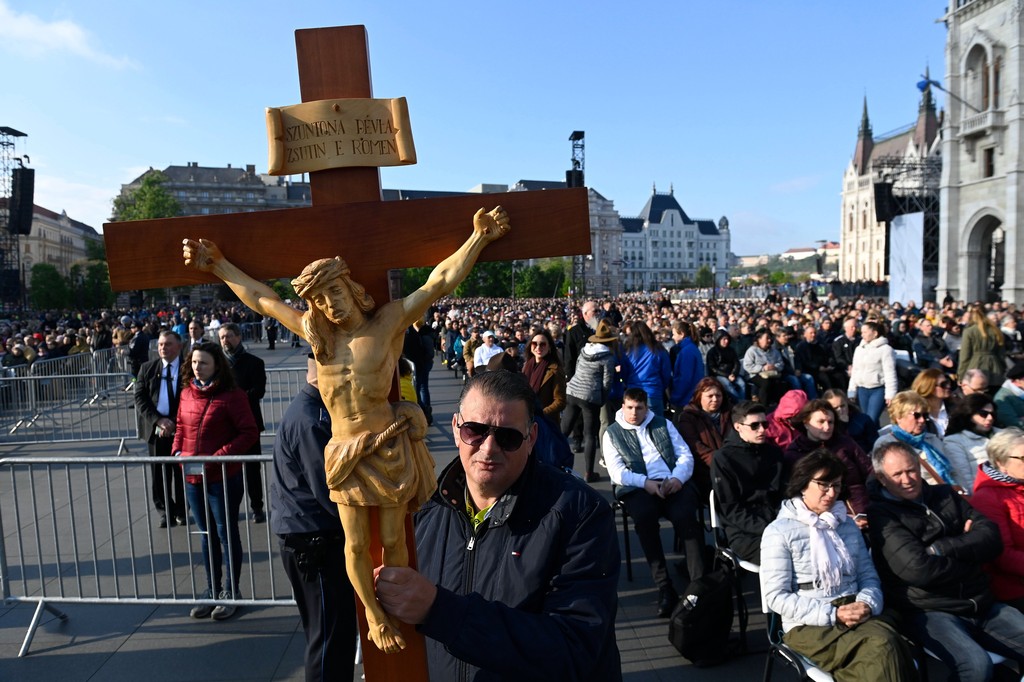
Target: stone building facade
x,y
863,251
982,189
664,248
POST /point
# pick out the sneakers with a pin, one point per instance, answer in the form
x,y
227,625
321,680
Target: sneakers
x,y
259,517
224,611
203,610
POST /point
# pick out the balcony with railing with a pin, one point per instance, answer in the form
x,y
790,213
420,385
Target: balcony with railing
x,y
981,124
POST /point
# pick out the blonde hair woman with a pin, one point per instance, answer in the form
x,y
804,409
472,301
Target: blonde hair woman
x,y
908,412
983,347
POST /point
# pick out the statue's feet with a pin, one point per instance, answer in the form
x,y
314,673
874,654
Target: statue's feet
x,y
385,634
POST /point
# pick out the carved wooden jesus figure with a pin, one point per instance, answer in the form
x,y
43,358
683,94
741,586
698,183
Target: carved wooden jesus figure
x,y
376,456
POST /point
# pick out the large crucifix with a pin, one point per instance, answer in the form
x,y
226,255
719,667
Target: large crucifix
x,y
348,216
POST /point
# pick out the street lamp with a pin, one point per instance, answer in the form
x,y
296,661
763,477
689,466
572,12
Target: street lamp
x,y
714,281
927,82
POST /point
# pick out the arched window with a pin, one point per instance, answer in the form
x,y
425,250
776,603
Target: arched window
x,y
977,88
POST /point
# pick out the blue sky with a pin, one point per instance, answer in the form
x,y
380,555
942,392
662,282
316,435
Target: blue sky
x,y
749,109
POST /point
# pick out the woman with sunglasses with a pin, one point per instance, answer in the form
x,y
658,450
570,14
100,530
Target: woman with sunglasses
x,y
970,427
816,573
999,495
908,412
543,371
937,389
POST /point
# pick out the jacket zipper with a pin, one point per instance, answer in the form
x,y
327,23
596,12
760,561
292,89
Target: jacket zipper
x,y
468,584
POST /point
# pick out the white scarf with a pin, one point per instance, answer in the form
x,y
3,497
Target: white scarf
x,y
829,557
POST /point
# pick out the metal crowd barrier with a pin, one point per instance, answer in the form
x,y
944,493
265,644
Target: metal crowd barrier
x,y
81,530
94,407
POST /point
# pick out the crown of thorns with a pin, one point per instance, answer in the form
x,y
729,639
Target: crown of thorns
x,y
319,274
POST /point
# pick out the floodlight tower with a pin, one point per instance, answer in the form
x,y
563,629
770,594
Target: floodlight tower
x,y
10,267
574,178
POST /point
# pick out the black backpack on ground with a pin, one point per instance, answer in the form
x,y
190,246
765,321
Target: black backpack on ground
x,y
702,620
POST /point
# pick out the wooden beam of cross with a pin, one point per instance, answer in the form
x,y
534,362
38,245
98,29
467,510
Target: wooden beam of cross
x,y
348,219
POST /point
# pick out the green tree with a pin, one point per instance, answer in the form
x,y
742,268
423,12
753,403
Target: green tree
x,y
147,201
704,278
96,291
414,278
48,289
487,279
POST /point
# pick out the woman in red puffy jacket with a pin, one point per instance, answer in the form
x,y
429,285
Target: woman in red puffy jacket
x,y
999,495
214,419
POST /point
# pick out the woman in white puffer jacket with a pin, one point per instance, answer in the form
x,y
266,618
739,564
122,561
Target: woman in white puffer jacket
x,y
816,573
873,372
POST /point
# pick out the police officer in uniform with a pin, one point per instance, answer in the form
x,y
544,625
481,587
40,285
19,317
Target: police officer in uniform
x,y
312,542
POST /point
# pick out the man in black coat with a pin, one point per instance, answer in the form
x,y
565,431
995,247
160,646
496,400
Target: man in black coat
x,y
157,390
930,351
311,538
418,347
929,546
842,353
746,475
518,561
138,348
251,376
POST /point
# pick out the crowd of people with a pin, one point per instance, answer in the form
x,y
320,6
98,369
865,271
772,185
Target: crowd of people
x,y
816,424
823,428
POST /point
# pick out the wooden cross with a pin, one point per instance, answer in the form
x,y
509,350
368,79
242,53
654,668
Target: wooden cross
x,y
349,219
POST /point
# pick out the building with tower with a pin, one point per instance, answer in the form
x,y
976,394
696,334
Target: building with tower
x,y
982,187
897,161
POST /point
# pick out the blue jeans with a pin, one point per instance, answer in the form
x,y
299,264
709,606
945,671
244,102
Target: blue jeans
x,y
805,383
656,403
227,528
961,642
736,389
871,401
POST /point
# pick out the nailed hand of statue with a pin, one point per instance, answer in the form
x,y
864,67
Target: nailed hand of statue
x,y
493,224
201,255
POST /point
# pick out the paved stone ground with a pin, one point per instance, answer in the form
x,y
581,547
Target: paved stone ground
x,y
156,643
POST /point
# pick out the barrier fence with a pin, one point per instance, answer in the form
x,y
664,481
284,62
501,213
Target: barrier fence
x,y
75,406
81,530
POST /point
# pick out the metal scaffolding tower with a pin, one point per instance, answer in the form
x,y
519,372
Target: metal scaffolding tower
x,y
913,187
10,260
575,178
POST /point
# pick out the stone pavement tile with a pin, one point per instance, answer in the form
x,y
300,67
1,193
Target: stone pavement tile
x,y
73,649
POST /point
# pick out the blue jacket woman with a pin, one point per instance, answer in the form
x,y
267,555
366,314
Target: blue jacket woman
x,y
646,365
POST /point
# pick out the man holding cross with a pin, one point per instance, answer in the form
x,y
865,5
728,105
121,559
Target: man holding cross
x,y
376,457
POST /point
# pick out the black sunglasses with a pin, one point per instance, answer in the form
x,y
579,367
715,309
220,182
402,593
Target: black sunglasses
x,y
985,413
475,433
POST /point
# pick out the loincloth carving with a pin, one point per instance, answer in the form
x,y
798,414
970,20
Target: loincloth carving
x,y
388,469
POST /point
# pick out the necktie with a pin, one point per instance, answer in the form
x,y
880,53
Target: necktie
x,y
170,388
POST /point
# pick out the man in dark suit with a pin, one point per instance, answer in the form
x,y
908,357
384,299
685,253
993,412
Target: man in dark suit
x,y
196,335
157,390
251,376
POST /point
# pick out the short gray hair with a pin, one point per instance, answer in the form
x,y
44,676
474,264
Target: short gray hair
x,y
879,454
972,374
1002,445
